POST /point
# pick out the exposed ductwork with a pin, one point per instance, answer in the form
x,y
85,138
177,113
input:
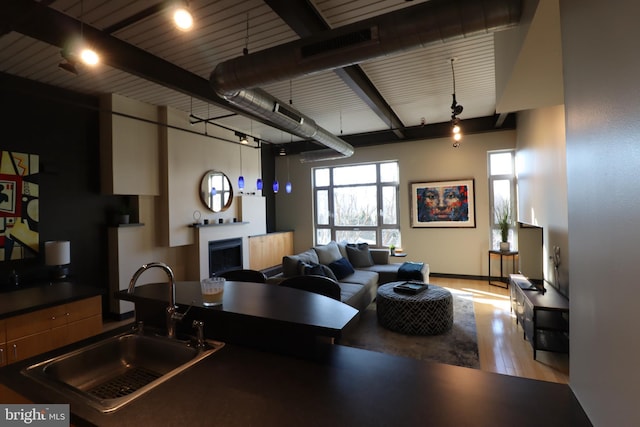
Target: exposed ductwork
x,y
405,29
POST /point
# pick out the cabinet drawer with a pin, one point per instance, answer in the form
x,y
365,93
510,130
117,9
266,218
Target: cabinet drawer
x,y
3,354
3,335
26,347
76,331
30,323
83,309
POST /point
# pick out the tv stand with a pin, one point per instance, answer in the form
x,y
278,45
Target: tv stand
x,y
544,315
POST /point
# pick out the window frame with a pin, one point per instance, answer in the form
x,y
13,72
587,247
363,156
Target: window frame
x,y
513,194
379,185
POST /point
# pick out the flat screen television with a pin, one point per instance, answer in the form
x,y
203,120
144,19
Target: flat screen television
x,y
531,253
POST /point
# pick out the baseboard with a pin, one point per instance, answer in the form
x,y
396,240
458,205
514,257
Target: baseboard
x,y
459,276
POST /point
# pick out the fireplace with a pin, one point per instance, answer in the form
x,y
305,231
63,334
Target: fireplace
x,y
225,255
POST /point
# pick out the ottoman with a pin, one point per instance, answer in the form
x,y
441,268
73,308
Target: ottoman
x,y
429,312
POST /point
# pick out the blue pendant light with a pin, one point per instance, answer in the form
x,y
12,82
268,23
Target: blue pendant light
x,y
259,184
276,186
241,182
287,187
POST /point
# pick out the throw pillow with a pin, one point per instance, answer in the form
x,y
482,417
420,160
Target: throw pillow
x,y
359,255
290,262
328,253
341,268
307,269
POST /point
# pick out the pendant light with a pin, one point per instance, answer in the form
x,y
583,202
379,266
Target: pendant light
x,y
240,178
456,110
288,187
259,180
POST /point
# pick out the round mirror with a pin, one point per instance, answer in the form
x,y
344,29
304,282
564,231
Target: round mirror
x,y
216,191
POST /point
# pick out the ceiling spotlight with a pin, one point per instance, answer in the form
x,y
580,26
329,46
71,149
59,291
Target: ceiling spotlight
x,y
89,56
182,18
243,138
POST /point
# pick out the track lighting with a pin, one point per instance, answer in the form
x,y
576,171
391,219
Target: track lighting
x,y
243,138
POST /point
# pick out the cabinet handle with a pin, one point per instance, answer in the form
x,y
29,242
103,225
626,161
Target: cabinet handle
x,y
15,352
1,356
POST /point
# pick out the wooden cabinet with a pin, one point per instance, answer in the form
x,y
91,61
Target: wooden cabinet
x,y
267,250
33,333
544,316
3,344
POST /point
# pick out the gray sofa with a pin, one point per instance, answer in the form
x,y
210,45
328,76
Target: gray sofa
x,y
357,269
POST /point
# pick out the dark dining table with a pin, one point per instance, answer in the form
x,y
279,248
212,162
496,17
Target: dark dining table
x,y
256,314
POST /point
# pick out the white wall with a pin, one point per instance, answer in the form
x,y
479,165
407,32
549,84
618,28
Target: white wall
x,y
601,69
452,251
542,183
180,159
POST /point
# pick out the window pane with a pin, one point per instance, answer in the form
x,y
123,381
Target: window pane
x,y
501,192
391,237
347,175
500,164
323,236
322,177
389,208
389,172
356,236
322,207
354,206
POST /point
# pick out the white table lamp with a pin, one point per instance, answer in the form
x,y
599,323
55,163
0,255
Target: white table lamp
x,y
58,254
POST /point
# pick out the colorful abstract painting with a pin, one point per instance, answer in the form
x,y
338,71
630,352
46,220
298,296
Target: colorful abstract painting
x,y
443,204
19,211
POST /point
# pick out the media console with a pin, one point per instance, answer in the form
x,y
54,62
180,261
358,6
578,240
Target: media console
x,y
544,315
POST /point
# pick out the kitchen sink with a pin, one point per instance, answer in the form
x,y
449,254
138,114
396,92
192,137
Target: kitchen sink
x,y
111,373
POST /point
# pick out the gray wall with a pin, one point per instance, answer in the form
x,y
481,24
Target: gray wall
x,y
602,102
542,184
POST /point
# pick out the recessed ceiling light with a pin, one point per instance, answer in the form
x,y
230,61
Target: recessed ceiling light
x,y
183,19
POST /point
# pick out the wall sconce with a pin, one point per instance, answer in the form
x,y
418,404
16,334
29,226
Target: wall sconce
x,y
57,254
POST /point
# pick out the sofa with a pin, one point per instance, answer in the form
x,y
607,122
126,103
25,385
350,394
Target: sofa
x,y
357,269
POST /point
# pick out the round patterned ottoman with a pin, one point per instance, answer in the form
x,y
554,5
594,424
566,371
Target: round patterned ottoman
x,y
429,312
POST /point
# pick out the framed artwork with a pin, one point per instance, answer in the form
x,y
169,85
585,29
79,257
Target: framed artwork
x,y
443,204
19,205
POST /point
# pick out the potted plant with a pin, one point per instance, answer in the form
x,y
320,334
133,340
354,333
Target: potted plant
x,y
503,219
124,214
392,249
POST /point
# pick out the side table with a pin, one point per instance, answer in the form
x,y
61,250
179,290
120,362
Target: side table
x,y
503,278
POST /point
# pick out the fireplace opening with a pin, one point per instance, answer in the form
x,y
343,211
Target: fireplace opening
x,y
225,255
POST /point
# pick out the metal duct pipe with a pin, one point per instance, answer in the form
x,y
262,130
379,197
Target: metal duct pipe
x,y
402,30
262,104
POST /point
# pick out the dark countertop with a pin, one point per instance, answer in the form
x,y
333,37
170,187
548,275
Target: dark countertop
x,y
338,385
38,297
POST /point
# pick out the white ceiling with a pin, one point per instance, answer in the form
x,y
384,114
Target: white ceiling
x,y
417,84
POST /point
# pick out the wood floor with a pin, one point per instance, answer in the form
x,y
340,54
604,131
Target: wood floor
x,y
501,345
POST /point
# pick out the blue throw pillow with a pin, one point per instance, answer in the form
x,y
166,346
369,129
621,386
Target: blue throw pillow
x,y
341,268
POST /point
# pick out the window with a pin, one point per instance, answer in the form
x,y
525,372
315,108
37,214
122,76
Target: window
x,y
357,203
501,191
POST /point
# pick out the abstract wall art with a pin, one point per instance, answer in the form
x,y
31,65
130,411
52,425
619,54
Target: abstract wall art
x,y
443,204
19,210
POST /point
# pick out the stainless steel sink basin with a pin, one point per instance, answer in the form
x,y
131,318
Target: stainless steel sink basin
x,y
113,372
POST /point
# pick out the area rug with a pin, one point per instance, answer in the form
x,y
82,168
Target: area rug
x,y
458,346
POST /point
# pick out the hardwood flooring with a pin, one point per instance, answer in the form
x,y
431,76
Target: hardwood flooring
x,y
501,345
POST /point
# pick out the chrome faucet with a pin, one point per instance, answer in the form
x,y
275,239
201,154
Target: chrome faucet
x,y
173,316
